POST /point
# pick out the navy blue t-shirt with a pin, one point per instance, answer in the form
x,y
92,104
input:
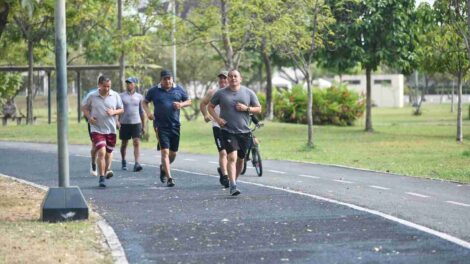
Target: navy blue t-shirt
x,y
166,116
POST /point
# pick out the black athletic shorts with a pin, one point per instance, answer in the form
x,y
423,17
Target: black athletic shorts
x,y
218,138
169,138
238,142
128,131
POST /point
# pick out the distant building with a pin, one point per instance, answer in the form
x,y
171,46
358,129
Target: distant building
x,y
386,90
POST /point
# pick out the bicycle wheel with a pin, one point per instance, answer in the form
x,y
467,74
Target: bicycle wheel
x,y
257,162
244,167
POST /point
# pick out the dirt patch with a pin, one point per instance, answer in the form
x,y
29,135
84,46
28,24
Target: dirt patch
x,y
26,239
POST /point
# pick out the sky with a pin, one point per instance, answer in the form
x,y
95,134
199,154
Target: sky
x,y
420,1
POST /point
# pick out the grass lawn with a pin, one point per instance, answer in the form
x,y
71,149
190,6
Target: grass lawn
x,y
401,143
25,239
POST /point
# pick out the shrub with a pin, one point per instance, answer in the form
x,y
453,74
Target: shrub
x,y
335,105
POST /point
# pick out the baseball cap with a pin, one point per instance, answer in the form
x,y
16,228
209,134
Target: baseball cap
x,y
132,80
223,73
165,73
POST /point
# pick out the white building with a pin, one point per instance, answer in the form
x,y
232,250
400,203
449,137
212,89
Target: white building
x,y
386,90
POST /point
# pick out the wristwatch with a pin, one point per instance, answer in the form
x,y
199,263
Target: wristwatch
x,y
248,110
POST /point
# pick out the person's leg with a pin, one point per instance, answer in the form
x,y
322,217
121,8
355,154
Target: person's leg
x,y
137,166
165,159
243,142
110,144
223,161
101,161
93,170
136,142
123,153
231,167
240,163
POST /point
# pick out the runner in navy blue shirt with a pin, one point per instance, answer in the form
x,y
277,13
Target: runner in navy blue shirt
x,y
167,99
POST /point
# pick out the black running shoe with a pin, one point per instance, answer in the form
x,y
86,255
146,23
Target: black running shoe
x,y
162,174
225,181
124,165
101,182
170,182
137,167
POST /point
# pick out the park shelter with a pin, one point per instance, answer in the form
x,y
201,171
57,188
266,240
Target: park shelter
x,y
78,69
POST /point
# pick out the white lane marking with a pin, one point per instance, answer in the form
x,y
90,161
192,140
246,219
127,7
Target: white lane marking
x,y
417,194
457,203
379,187
428,230
213,162
343,181
190,159
309,176
275,171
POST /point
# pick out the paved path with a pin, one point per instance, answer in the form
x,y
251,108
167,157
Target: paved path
x,y
282,217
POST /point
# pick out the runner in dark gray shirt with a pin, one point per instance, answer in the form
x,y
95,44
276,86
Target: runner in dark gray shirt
x,y
236,103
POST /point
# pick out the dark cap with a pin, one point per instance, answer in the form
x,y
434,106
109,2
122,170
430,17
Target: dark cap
x,y
165,73
223,73
132,80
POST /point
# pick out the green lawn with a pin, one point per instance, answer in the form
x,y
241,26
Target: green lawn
x,y
402,143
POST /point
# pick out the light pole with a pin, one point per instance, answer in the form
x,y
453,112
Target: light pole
x,y
173,39
65,202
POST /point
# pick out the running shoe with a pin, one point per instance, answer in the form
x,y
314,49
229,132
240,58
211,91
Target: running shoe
x,y
109,174
101,182
234,191
124,165
170,182
162,174
137,167
225,181
93,171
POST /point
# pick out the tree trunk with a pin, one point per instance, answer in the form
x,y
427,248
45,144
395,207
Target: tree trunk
x,y
467,42
368,101
452,98
4,11
459,108
309,110
229,64
269,83
29,91
121,58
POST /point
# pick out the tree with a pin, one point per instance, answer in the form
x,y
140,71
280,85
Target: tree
x,y
425,28
382,33
310,20
270,21
452,46
34,28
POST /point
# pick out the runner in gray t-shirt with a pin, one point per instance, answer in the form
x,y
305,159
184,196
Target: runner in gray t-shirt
x,y
101,108
236,103
131,122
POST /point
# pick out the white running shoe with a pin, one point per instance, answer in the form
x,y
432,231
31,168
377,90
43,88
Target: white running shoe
x,y
93,172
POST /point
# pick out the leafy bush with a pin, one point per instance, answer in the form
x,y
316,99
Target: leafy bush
x,y
10,84
335,105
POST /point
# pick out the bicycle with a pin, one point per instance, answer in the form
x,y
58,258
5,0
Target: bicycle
x,y
253,148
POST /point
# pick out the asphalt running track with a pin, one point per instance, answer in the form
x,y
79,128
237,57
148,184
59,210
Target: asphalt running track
x,y
293,214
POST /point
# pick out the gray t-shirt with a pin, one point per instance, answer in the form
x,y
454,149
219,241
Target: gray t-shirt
x,y
97,105
132,108
237,122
